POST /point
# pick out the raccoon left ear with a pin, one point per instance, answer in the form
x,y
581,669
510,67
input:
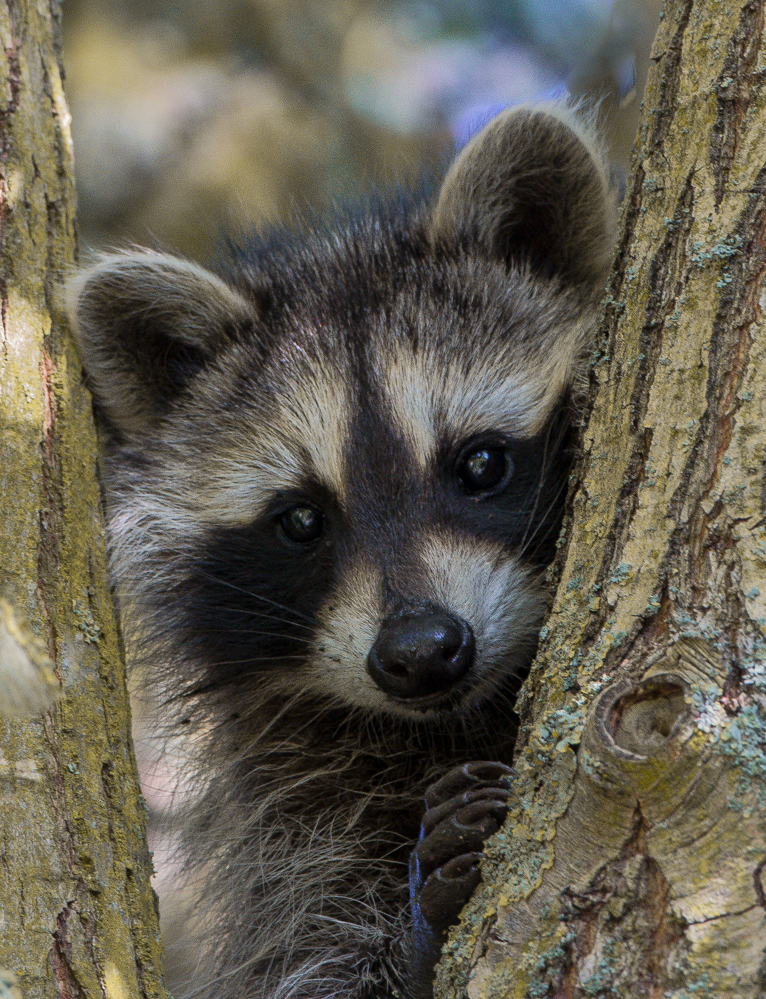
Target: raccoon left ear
x,y
146,323
533,188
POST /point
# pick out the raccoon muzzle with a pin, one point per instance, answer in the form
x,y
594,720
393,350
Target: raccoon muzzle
x,y
421,653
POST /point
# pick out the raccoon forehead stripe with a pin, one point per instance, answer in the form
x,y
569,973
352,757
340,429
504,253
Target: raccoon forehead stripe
x,y
429,398
303,440
313,419
235,476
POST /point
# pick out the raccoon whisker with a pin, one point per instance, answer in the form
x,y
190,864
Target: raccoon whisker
x,y
266,660
247,612
161,612
540,539
272,635
286,708
291,626
534,495
265,616
544,522
273,617
254,596
536,492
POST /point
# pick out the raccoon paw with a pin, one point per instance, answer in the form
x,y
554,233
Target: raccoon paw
x,y
463,809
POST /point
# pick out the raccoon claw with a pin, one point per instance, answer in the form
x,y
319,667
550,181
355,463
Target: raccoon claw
x,y
461,827
463,809
447,890
467,777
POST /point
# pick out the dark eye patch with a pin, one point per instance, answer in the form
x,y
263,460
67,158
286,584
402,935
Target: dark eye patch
x,y
520,485
252,592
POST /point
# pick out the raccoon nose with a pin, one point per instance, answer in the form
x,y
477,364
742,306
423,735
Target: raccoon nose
x,y
421,653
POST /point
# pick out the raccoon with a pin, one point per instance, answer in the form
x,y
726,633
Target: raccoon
x,y
335,472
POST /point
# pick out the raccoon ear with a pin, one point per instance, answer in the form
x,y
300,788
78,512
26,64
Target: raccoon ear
x,y
532,187
146,323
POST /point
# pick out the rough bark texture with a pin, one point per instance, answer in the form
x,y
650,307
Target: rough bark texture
x,y
77,914
633,862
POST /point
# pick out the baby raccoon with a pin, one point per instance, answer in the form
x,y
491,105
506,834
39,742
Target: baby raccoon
x,y
335,473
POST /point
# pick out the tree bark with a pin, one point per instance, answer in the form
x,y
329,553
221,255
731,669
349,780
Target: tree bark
x,y
77,913
632,862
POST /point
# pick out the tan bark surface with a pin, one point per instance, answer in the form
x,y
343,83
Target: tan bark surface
x,y
77,915
633,861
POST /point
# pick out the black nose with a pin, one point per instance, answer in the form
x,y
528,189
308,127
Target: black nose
x,y
421,653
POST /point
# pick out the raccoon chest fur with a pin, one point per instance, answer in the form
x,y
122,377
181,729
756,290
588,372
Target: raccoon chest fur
x,y
335,473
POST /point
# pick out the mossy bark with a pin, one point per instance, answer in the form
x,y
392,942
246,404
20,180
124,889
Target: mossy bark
x,y
632,862
77,913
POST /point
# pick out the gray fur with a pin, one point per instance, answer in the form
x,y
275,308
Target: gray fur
x,y
348,367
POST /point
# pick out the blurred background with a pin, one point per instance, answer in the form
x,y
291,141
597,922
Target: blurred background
x,y
197,119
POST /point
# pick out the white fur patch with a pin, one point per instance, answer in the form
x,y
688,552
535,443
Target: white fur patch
x,y
479,582
237,476
348,629
305,439
509,394
472,579
316,417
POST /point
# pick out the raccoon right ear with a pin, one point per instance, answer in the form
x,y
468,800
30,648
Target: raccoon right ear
x,y
532,188
145,324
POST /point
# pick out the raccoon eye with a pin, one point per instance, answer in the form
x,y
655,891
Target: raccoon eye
x,y
484,470
302,524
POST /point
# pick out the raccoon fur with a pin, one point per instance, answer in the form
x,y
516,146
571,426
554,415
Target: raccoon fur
x,y
335,473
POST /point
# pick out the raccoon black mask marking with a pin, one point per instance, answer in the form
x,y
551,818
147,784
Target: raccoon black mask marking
x,y
335,474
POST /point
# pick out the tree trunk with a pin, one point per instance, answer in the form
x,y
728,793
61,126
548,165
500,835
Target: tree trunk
x,y
77,913
632,862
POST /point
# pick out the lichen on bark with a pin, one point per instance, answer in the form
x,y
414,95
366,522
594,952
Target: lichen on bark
x,y
642,874
77,913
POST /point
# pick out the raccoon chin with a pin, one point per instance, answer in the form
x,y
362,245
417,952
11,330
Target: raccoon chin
x,y
430,708
495,685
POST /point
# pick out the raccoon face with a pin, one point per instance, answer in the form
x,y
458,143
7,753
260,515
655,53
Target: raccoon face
x,y
340,467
